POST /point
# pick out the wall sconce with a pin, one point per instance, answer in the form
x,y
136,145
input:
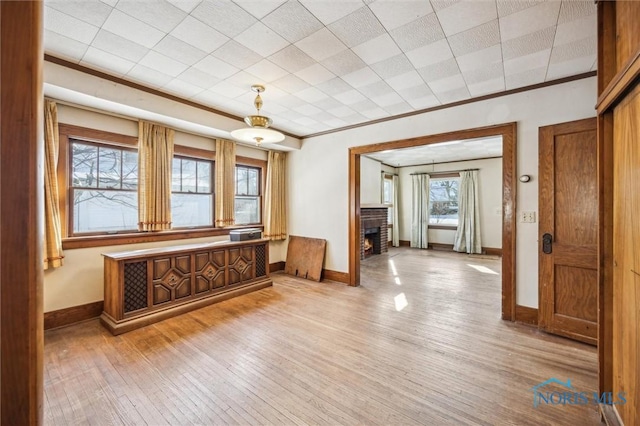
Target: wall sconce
x,y
525,178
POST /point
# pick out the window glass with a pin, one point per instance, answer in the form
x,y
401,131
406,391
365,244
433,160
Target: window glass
x,y
248,199
443,201
192,195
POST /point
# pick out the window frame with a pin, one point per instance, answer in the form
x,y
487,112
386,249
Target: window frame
x,y
69,131
201,155
441,176
253,164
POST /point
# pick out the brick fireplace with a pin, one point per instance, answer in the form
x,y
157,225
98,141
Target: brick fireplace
x,y
373,231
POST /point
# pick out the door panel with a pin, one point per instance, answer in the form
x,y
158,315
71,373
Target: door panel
x,y
568,205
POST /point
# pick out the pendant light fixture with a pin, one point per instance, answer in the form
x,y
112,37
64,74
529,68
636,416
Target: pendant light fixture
x,y
258,130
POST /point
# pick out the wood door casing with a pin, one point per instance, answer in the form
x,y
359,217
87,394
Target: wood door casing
x,y
568,206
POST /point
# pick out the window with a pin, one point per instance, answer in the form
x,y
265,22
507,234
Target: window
x,y
387,196
443,201
191,193
103,188
248,199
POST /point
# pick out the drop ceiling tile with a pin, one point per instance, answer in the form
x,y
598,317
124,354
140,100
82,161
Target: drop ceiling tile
x,y
490,72
225,16
343,63
487,86
336,123
526,78
198,78
341,111
69,26
447,84
93,12
308,109
420,32
350,97
259,8
530,43
215,67
527,62
377,49
530,20
159,14
185,5
63,47
388,99
430,54
454,95
315,74
181,88
104,61
477,38
305,121
354,118
266,71
328,104
292,102
330,11
507,7
357,27
199,35
119,46
362,77
375,113
323,116
576,30
291,83
149,76
292,59
570,67
237,55
243,79
321,45
573,50
292,21
424,102
261,39
405,81
399,108
393,13
311,95
179,50
440,70
392,67
416,92
162,63
377,89
438,5
572,10
208,97
465,15
480,58
132,29
334,86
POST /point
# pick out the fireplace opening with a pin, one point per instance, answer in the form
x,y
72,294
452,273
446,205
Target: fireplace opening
x,y
373,232
372,241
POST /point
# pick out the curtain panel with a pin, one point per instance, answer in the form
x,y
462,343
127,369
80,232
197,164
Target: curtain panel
x,y
420,211
395,238
275,207
467,237
225,182
155,156
52,246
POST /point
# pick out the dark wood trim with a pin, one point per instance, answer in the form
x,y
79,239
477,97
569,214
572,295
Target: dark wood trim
x,y
187,151
405,243
277,266
526,315
492,251
621,83
94,135
147,237
21,217
341,277
609,415
508,132
446,162
455,104
72,315
445,227
119,80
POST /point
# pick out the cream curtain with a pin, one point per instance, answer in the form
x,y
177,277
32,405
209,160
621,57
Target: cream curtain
x,y
225,182
275,206
155,155
395,238
52,229
420,211
468,234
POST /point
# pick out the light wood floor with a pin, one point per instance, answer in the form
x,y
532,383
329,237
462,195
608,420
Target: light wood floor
x,y
420,342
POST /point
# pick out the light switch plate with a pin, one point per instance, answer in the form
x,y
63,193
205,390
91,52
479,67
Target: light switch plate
x,y
528,217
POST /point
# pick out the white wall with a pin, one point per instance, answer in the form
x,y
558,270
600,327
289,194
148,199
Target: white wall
x,y
318,185
370,181
80,279
489,194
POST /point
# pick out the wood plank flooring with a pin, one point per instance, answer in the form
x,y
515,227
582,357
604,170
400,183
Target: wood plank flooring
x,y
420,342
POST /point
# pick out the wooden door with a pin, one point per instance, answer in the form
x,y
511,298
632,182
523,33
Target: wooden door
x,y
626,255
568,231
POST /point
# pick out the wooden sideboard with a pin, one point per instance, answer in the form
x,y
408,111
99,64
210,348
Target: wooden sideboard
x,y
146,286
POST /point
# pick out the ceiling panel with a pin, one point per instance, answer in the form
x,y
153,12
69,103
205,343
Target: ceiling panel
x,y
326,63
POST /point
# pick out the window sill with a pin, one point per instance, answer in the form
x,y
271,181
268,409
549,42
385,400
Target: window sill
x,y
449,227
147,237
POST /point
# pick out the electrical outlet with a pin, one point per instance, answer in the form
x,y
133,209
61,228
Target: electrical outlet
x,y
528,217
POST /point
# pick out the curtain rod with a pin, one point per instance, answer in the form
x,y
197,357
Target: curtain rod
x,y
387,173
444,172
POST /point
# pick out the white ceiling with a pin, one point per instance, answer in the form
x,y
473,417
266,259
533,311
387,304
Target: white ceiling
x,y
468,149
326,64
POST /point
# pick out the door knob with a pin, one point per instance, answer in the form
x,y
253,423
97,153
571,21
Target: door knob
x,y
547,239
